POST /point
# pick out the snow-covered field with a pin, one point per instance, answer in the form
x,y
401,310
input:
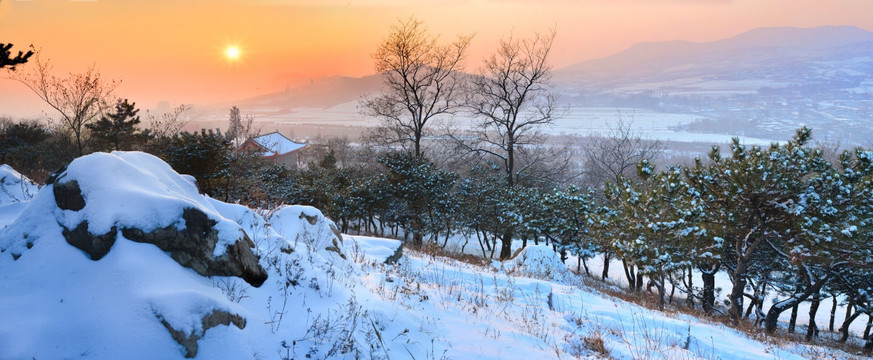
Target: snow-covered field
x,y
582,121
326,295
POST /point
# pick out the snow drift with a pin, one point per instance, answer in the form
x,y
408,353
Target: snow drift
x,y
14,187
540,262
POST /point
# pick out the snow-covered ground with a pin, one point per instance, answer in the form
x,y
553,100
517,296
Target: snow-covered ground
x,y
580,121
722,284
326,295
14,187
529,308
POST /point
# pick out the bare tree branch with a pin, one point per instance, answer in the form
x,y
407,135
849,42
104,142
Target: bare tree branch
x,y
422,79
79,99
512,97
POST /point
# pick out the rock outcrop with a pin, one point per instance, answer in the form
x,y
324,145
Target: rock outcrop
x,y
190,240
215,318
193,247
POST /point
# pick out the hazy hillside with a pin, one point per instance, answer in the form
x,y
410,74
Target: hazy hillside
x,y
761,85
650,58
322,92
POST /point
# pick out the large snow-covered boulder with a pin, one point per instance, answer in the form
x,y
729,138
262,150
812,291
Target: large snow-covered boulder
x,y
121,258
136,195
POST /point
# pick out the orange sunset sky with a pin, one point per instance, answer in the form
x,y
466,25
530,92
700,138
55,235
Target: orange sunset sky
x,y
173,50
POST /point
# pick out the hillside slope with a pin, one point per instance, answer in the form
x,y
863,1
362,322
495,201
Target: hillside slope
x,y
108,292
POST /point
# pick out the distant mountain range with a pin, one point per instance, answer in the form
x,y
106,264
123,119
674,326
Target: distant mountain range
x,y
749,48
762,83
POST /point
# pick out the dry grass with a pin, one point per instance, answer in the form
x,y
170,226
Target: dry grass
x,y
594,342
434,250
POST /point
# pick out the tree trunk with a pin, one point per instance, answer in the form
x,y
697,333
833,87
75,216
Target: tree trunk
x,y
845,328
708,291
482,243
585,264
506,244
605,273
493,246
417,135
510,158
689,300
640,279
736,298
777,308
629,274
792,323
446,241
833,312
752,302
849,308
661,291
812,328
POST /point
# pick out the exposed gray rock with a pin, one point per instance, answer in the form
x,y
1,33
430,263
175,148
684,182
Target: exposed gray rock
x,y
96,246
68,196
396,256
193,248
189,341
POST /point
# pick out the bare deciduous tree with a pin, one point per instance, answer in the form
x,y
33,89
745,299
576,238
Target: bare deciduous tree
x,y
422,78
169,123
79,98
512,98
609,156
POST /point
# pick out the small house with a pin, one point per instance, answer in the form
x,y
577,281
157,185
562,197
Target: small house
x,y
277,148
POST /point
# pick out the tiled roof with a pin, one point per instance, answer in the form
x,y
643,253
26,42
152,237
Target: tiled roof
x,y
277,144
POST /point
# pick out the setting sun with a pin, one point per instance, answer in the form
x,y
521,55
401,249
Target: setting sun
x,y
232,52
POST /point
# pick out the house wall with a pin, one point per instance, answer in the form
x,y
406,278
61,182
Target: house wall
x,y
289,160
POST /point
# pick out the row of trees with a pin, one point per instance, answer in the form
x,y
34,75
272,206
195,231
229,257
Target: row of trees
x,y
782,218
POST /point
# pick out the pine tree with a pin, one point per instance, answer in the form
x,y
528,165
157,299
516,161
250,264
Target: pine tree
x,y
421,192
9,61
205,155
117,130
651,237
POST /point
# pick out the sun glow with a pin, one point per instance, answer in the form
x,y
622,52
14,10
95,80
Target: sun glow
x,y
232,52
